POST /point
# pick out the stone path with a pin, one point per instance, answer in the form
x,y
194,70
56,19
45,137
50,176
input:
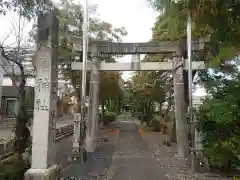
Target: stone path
x,y
132,158
126,157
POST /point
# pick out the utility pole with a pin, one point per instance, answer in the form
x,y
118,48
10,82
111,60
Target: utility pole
x,y
92,124
180,107
192,122
85,56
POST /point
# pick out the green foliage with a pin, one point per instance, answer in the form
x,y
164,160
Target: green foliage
x,y
109,85
137,114
109,117
27,8
112,114
149,90
219,120
217,19
219,115
13,170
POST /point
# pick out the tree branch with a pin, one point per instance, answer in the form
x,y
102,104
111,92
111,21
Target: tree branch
x,y
14,61
23,80
10,77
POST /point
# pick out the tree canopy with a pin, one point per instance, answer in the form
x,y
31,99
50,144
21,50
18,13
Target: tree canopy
x,y
218,115
27,8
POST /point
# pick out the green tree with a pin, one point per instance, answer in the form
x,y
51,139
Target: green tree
x,y
109,87
27,8
146,92
218,19
219,119
71,18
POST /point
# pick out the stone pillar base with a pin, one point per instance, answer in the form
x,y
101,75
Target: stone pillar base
x,y
90,144
78,155
197,164
52,173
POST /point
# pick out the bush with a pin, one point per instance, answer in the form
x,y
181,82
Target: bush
x,y
109,117
219,123
13,170
137,115
156,125
112,114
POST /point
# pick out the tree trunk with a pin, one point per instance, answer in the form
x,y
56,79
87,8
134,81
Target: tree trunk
x,y
148,109
119,106
103,111
174,133
179,101
160,109
142,114
22,132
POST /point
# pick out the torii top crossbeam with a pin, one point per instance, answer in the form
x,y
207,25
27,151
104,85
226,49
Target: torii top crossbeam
x,y
165,47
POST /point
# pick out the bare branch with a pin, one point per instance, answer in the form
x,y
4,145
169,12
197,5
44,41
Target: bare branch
x,y
12,60
7,36
14,83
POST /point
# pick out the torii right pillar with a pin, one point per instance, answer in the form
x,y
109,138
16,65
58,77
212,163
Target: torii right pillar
x,y
180,107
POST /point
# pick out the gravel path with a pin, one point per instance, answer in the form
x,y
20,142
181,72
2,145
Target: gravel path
x,y
172,167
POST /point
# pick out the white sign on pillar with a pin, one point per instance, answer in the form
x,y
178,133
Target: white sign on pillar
x,y
179,103
135,62
92,126
44,125
76,132
1,78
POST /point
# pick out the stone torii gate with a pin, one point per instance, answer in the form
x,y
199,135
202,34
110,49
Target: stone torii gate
x,y
175,49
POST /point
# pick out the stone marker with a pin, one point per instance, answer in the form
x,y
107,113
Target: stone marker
x,y
44,124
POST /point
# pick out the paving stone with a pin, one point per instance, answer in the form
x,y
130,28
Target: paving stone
x,y
132,158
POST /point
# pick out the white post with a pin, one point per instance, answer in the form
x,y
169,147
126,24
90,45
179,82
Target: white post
x,y
179,103
76,132
1,78
85,57
92,126
135,62
43,123
192,123
198,144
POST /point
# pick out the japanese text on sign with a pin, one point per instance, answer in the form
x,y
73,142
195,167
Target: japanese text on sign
x,y
42,84
41,105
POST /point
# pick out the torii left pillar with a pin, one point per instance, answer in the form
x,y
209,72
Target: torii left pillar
x,y
93,119
43,165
